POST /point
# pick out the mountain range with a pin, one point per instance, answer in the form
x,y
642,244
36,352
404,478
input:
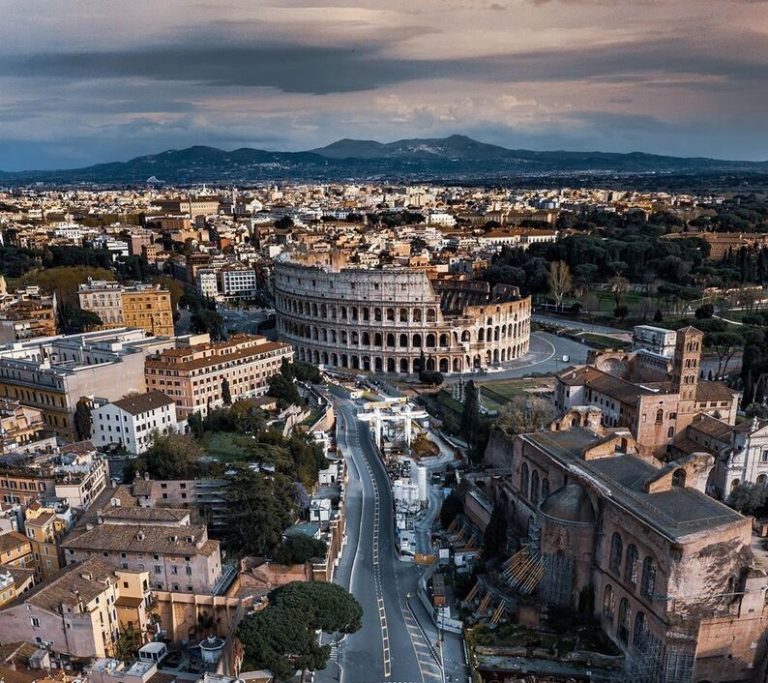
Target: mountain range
x,y
454,157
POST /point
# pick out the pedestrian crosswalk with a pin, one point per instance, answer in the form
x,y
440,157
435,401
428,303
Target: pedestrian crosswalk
x,y
425,655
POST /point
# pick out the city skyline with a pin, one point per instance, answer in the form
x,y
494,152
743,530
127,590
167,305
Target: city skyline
x,y
86,83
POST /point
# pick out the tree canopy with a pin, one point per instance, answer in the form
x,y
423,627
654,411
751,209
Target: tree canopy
x,y
282,637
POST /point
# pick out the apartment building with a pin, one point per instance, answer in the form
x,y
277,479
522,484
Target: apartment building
x,y
19,425
145,306
45,529
75,614
16,551
237,281
14,582
132,421
53,373
177,554
193,374
63,474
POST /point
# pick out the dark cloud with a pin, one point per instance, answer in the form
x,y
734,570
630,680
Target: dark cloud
x,y
323,70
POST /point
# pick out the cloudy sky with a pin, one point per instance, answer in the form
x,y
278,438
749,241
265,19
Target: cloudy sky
x,y
84,81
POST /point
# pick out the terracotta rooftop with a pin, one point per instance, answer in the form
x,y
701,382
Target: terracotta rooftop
x,y
138,538
137,404
80,582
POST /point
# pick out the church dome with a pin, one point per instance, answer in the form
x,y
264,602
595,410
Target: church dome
x,y
569,504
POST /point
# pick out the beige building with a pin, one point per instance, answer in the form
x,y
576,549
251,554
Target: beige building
x,y
142,305
20,425
177,554
387,320
45,530
193,374
52,374
75,615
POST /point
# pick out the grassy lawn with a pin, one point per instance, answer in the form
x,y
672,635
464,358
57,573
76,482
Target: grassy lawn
x,y
603,341
607,301
223,445
496,394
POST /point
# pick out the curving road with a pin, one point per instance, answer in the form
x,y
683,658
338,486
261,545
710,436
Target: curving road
x,y
391,645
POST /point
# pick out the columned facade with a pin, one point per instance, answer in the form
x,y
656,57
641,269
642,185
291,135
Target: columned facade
x,y
389,320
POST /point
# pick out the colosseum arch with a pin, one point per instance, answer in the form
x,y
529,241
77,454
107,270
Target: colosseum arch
x,y
430,341
377,339
403,341
391,340
403,315
417,315
416,341
391,365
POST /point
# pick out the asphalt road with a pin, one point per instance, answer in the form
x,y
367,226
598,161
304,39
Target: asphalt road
x,y
545,357
391,645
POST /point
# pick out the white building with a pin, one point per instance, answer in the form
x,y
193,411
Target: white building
x,y
237,281
207,283
133,420
656,339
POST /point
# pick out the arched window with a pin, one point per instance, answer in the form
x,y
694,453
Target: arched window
x,y
659,416
535,487
622,627
761,479
638,633
417,315
391,314
678,478
403,341
608,602
617,550
431,317
649,577
630,565
403,315
524,479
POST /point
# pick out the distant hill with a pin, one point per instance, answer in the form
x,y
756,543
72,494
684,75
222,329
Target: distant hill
x,y
453,157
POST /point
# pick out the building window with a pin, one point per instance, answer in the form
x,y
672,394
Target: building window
x,y
659,416
608,603
639,634
617,550
35,622
630,565
524,479
622,628
678,478
649,578
535,487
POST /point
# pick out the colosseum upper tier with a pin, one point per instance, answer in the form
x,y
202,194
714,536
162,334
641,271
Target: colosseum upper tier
x,y
388,320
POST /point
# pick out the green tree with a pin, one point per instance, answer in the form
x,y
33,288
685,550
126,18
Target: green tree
x,y
128,643
495,537
749,498
284,223
173,456
83,418
74,320
284,390
620,312
258,509
705,311
226,393
525,414
300,549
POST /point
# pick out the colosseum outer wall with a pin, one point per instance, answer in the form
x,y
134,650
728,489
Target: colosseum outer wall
x,y
387,320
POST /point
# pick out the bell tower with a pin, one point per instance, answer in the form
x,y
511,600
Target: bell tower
x,y
685,371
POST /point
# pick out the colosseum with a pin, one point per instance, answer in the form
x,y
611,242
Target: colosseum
x,y
389,319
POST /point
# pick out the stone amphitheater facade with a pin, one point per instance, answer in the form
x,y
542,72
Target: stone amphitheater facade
x,y
389,320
